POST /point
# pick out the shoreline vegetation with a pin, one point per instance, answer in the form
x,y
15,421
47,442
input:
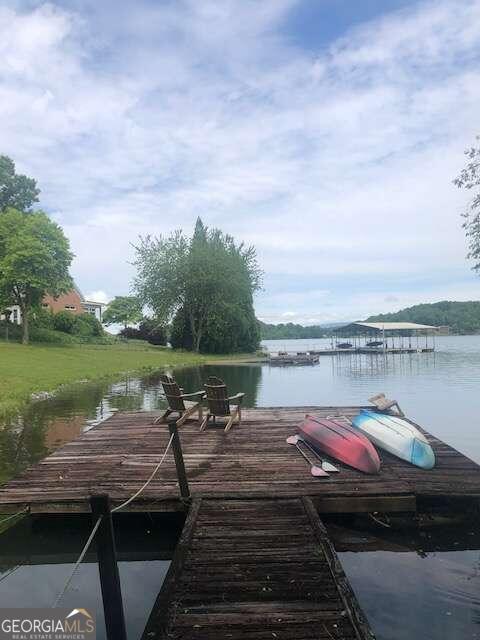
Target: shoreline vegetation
x,y
38,370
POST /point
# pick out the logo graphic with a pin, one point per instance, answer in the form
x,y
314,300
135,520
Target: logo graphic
x,y
47,624
74,612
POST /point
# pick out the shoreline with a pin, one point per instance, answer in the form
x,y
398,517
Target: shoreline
x,y
37,372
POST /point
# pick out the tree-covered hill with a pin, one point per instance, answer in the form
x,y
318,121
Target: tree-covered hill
x,y
461,317
291,331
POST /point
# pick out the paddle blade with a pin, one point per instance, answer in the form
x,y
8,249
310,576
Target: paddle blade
x,y
318,473
292,440
326,466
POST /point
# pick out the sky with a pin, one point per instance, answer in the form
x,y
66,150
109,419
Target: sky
x,y
326,133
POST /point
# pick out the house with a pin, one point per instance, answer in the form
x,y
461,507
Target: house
x,y
75,302
72,301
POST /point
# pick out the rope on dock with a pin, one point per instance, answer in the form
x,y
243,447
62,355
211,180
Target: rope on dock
x,y
78,562
9,573
99,520
152,475
14,515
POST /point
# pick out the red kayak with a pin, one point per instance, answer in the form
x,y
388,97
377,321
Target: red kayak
x,y
342,442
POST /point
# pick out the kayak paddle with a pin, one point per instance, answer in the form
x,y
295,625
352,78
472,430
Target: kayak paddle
x,y
326,466
316,471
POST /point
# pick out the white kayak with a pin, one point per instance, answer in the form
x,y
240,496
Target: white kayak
x,y
397,436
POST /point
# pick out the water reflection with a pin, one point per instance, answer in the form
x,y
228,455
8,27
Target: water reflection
x,y
357,365
414,583
37,556
46,425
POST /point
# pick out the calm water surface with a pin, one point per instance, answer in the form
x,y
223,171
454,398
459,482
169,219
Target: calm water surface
x,y
438,586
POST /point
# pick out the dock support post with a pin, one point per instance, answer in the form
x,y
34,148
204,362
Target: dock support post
x,y
179,463
108,569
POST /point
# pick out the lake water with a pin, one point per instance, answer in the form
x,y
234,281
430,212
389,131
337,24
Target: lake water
x,y
436,583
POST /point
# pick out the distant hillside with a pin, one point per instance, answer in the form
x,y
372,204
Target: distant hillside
x,y
290,331
461,317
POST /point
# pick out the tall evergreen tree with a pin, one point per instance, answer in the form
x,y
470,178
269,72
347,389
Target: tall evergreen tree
x,y
204,284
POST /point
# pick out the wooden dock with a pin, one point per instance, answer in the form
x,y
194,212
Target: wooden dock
x,y
312,355
254,569
254,560
251,461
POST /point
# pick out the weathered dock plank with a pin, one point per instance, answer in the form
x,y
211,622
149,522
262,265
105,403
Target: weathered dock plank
x,y
280,579
251,461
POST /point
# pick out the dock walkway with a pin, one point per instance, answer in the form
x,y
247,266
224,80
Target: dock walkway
x,y
251,569
251,461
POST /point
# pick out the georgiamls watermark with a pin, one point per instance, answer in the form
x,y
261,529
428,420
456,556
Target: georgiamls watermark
x,y
47,624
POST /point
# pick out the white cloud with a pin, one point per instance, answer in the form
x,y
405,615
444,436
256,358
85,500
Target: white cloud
x,y
98,296
137,117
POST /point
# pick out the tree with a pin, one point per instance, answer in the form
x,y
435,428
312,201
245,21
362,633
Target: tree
x,y
192,280
469,178
123,310
16,190
34,260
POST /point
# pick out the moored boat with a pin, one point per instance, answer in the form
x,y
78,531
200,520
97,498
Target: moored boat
x,y
342,442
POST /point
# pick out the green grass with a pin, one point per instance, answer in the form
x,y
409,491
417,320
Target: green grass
x,y
31,369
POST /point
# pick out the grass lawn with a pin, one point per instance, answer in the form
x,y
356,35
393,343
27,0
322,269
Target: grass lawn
x,y
28,369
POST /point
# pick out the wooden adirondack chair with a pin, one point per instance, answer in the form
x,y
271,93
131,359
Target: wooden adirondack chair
x,y
219,403
384,404
185,404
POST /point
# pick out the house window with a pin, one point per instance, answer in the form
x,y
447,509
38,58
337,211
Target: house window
x,y
70,307
15,316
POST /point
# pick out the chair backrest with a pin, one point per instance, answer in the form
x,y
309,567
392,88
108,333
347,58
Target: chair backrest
x,y
172,393
217,397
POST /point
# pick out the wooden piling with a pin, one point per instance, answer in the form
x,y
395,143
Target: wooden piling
x,y
179,462
108,569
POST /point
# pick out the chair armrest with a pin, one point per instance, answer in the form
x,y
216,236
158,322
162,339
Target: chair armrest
x,y
238,396
192,395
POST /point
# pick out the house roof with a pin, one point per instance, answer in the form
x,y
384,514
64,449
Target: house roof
x,y
93,304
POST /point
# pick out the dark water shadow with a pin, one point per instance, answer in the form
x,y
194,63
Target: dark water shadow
x,y
38,554
413,582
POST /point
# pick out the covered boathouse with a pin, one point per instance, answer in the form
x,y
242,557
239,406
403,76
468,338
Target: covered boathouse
x,y
391,337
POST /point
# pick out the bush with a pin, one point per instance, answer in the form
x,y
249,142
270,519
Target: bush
x,y
14,331
85,325
148,330
40,317
64,321
88,325
130,333
152,331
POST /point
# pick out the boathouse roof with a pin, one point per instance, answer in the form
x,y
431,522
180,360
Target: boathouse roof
x,y
391,326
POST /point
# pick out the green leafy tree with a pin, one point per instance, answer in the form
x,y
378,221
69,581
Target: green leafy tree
x,y
123,310
16,190
469,178
192,280
34,260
